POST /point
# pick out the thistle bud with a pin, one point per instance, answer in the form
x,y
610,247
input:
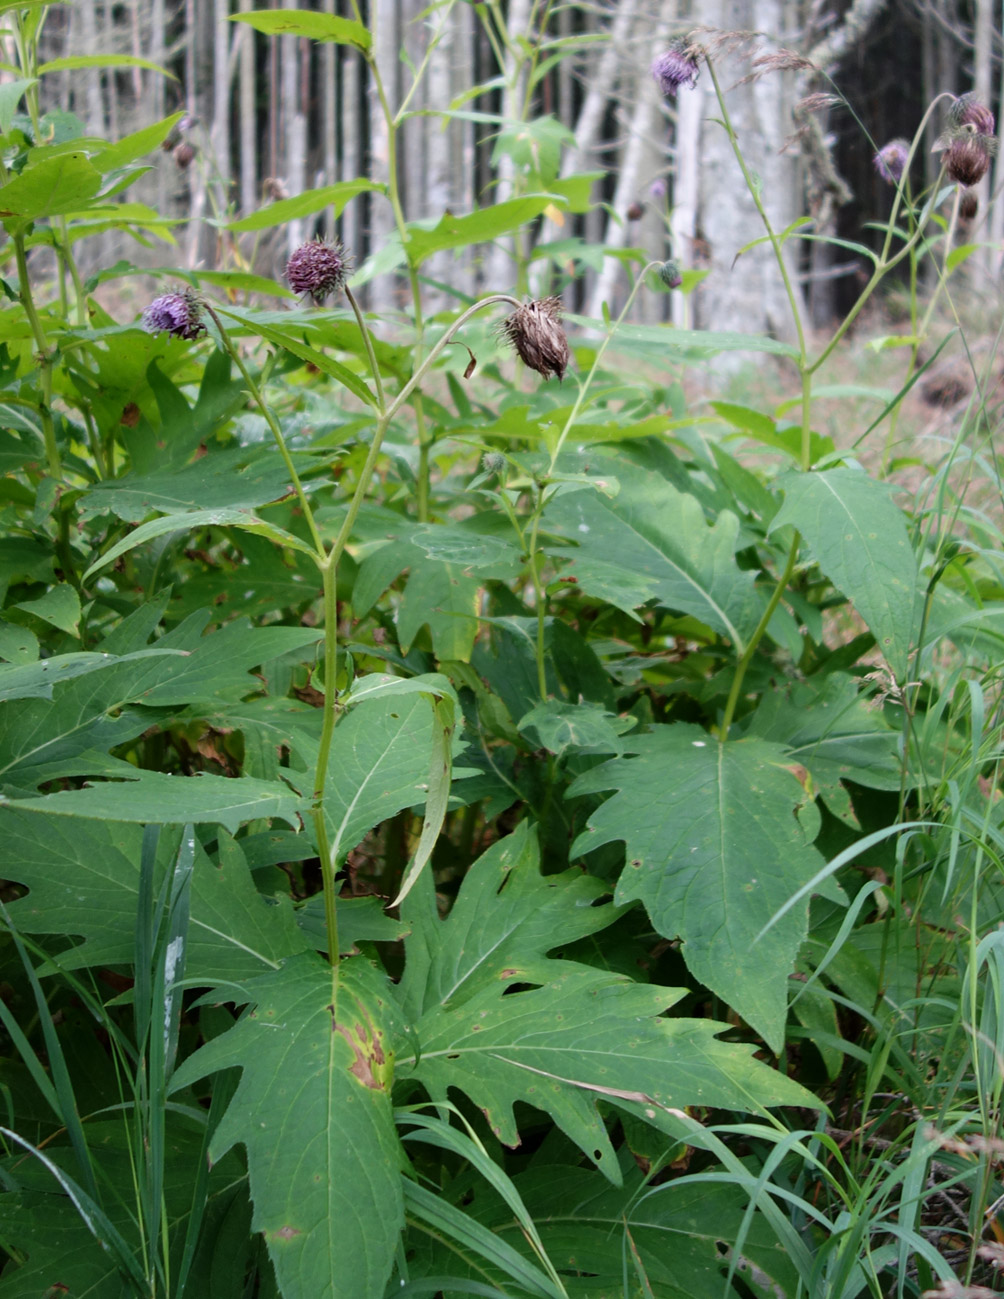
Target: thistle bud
x,y
969,205
534,331
634,211
317,268
183,155
891,159
177,314
493,462
676,68
670,273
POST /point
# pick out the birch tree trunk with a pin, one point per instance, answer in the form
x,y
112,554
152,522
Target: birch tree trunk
x,y
499,264
248,116
350,164
385,51
602,81
220,132
294,128
980,265
745,294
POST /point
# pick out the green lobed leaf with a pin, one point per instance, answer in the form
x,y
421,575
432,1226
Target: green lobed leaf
x,y
60,606
714,850
83,879
313,1111
651,542
859,539
577,1036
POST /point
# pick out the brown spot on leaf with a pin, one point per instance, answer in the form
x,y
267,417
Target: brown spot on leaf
x,y
285,1233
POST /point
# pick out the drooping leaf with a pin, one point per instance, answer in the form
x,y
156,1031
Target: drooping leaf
x,y
651,542
83,879
581,727
714,850
313,1111
379,764
444,598
560,1044
859,539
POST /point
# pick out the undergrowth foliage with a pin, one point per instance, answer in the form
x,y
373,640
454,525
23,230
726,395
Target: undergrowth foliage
x,y
471,831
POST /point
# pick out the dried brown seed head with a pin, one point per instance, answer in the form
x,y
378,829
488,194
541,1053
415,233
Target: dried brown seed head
x,y
967,159
534,332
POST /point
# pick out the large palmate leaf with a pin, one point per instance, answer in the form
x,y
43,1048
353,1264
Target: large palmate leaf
x,y
83,879
313,1111
576,1035
651,542
858,537
714,850
590,1229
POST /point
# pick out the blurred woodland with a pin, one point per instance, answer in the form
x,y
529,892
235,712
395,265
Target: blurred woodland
x,y
502,99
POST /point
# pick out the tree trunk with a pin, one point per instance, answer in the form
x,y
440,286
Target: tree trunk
x,y
385,50
294,128
248,116
745,292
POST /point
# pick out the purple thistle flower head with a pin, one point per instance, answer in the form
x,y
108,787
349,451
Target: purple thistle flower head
x,y
675,68
177,314
968,111
318,268
890,161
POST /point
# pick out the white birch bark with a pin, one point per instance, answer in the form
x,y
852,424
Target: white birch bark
x,y
602,81
385,52
499,263
219,134
745,294
350,165
981,264
294,128
329,112
248,115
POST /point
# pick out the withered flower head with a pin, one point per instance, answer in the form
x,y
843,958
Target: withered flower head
x,y
178,314
675,68
890,161
968,111
534,331
317,268
670,274
969,205
967,159
183,155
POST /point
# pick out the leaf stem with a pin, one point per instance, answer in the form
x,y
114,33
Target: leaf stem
x,y
43,358
754,640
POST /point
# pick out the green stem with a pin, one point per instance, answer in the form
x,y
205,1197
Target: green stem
x,y
754,190
368,340
573,414
43,358
755,639
329,574
273,424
